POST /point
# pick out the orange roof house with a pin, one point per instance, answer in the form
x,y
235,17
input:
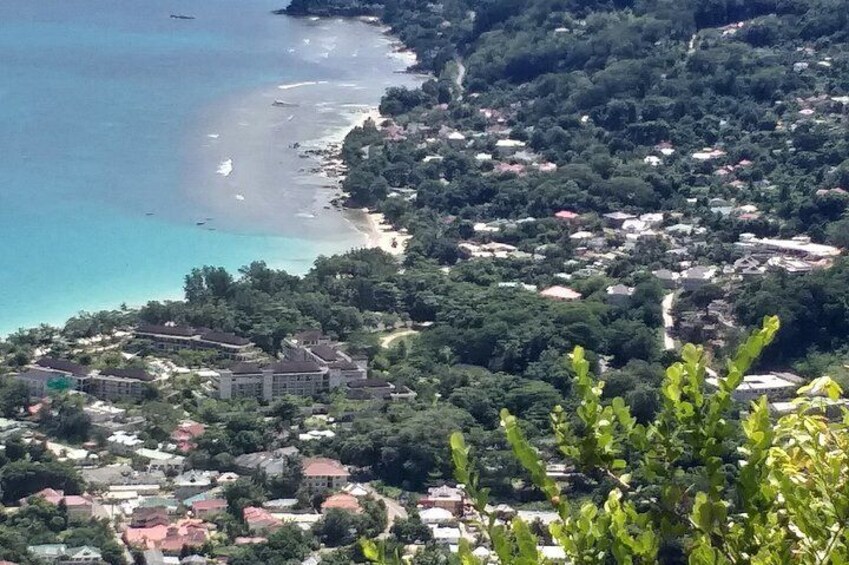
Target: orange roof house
x,y
321,474
171,538
342,501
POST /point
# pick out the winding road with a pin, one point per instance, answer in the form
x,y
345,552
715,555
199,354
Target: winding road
x,y
458,80
668,321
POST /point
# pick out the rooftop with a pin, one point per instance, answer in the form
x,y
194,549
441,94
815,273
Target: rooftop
x,y
325,352
225,338
342,501
63,365
560,293
175,331
770,381
324,467
132,373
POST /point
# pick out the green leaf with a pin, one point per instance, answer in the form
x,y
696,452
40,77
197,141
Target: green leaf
x,y
465,553
822,386
370,551
526,543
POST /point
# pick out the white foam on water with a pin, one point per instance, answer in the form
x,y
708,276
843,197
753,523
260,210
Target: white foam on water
x,y
225,168
300,84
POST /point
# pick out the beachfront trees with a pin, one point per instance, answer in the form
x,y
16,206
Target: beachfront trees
x,y
691,485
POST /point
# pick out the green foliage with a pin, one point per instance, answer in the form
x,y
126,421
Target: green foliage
x,y
24,477
14,398
336,528
242,493
286,546
667,482
410,530
813,309
43,523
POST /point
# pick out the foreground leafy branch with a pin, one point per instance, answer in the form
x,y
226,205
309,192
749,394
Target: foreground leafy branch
x,y
669,481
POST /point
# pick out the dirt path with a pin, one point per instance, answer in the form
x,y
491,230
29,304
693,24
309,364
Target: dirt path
x,y
387,341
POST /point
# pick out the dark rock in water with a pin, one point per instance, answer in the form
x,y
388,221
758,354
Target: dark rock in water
x,y
181,17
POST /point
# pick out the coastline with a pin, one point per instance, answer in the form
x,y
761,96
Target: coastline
x,y
279,147
235,212
378,233
370,223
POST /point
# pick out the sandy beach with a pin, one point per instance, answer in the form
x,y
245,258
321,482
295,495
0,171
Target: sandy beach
x,y
379,234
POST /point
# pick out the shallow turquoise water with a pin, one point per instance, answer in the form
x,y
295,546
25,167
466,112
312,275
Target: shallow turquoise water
x,y
97,100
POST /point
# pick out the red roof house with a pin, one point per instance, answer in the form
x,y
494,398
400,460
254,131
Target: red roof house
x,y
566,215
78,506
169,539
186,433
259,520
204,508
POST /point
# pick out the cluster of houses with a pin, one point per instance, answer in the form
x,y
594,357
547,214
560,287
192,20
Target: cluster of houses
x,y
599,241
164,515
447,512
147,489
176,338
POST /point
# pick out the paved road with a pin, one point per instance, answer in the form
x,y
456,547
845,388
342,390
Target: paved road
x,y
394,511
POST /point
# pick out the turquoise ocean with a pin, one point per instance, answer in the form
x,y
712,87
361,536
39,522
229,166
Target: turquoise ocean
x,y
135,146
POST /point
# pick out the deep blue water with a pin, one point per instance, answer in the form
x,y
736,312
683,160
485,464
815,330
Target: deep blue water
x,y
97,101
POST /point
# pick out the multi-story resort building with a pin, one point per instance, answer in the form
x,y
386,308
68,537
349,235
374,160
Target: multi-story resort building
x,y
267,382
175,338
48,374
119,384
304,371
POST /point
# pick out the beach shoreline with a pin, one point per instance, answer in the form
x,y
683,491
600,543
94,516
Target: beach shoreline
x,y
378,233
